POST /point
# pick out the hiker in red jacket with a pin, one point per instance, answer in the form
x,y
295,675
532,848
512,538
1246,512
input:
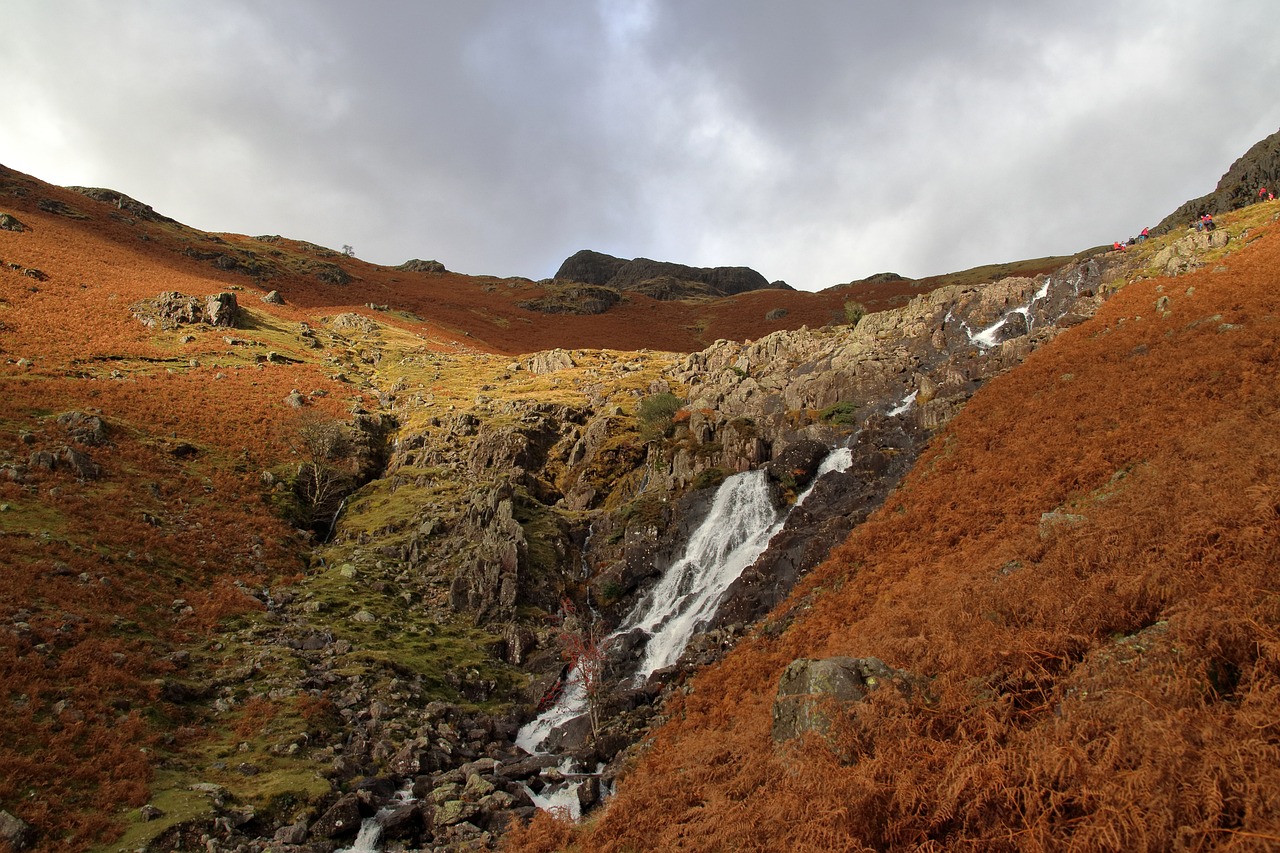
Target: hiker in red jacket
x,y
1262,194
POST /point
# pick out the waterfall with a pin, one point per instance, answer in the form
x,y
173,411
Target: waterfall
x,y
987,337
367,839
736,530
904,405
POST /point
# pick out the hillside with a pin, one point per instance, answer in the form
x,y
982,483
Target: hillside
x,y
294,546
1075,591
451,309
157,484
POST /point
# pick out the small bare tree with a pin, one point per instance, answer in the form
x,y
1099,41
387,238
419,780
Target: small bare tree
x,y
321,482
583,645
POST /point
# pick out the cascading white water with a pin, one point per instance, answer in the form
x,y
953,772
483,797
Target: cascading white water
x,y
367,839
837,460
737,529
987,337
904,405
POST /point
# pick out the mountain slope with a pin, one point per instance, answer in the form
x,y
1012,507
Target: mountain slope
x,y
180,652
1082,572
476,312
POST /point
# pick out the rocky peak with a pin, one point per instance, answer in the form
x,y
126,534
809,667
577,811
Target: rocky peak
x,y
661,279
1258,167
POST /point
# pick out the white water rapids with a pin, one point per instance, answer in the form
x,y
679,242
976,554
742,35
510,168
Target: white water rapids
x,y
736,530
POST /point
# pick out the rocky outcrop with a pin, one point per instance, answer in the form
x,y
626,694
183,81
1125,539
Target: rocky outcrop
x,y
1186,254
416,265
328,273
660,279
8,222
171,309
1259,167
67,459
488,584
87,429
585,299
122,202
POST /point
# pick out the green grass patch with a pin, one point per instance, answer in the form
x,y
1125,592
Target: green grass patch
x,y
841,414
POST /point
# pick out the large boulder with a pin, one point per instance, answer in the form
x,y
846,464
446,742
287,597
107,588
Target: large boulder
x,y
811,693
171,309
15,832
343,818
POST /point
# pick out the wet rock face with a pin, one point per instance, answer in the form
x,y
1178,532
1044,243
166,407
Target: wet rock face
x,y
798,461
340,820
880,457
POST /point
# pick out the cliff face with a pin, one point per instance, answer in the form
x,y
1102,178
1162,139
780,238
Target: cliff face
x,y
661,279
588,459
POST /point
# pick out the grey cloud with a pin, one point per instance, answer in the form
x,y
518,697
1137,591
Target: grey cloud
x,y
817,140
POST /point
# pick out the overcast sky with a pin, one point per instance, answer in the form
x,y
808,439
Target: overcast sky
x,y
818,141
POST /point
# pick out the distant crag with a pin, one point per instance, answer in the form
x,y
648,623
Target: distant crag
x,y
130,206
661,279
1259,167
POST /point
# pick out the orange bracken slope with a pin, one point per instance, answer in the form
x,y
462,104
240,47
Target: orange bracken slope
x,y
1107,678
133,256
103,579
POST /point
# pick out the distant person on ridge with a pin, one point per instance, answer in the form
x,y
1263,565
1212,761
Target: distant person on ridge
x,y
1205,223
1146,232
1262,194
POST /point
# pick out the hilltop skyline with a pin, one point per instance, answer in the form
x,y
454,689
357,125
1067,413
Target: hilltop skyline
x,y
817,144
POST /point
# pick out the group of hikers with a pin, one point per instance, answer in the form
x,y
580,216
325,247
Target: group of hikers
x,y
1146,232
1204,223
